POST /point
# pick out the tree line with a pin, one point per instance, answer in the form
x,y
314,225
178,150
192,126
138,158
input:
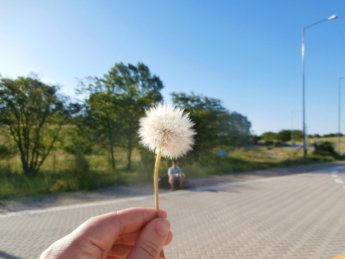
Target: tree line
x,y
290,135
34,115
283,135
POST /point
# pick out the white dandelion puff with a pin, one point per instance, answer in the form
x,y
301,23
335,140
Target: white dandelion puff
x,y
168,130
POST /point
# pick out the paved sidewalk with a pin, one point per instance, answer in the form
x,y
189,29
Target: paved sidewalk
x,y
296,216
111,193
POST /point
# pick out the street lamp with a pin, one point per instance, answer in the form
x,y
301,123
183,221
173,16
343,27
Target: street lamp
x,y
332,17
339,111
292,126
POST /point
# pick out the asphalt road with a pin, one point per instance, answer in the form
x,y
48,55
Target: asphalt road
x,y
292,216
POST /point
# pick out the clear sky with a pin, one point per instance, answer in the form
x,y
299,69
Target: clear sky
x,y
244,52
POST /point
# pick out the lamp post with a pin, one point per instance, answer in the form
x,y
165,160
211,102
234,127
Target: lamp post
x,y
339,111
292,126
330,18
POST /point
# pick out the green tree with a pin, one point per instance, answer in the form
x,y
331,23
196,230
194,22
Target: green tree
x,y
102,117
268,136
296,135
34,114
119,99
239,128
284,135
7,147
77,138
214,125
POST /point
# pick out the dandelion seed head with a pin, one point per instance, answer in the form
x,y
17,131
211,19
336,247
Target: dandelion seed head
x,y
168,129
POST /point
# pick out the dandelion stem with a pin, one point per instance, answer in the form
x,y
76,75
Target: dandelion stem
x,y
155,181
156,188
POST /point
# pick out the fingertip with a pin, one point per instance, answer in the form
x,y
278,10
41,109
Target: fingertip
x,y
168,239
153,237
162,227
163,214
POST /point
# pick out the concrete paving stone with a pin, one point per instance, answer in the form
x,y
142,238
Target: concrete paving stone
x,y
296,216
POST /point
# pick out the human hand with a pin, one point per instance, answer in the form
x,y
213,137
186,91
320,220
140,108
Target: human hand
x,y
132,233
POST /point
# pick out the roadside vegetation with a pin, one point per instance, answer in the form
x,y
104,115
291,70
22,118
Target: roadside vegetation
x,y
50,144
66,173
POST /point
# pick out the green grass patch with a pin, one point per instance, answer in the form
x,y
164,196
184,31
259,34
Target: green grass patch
x,y
18,185
67,173
249,159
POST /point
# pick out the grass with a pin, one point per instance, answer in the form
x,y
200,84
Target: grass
x,y
333,140
249,159
67,173
19,185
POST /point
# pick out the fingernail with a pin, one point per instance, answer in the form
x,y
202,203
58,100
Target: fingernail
x,y
162,227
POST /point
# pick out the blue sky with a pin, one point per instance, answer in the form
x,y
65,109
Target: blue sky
x,y
244,52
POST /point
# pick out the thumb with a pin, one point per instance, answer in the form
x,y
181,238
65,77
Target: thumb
x,y
151,240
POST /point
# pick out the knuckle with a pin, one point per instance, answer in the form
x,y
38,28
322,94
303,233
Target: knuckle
x,y
150,248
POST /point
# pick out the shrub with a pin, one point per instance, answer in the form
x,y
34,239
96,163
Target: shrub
x,y
280,143
325,149
58,186
6,151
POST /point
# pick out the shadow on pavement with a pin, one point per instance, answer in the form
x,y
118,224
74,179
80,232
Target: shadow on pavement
x,y
7,256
